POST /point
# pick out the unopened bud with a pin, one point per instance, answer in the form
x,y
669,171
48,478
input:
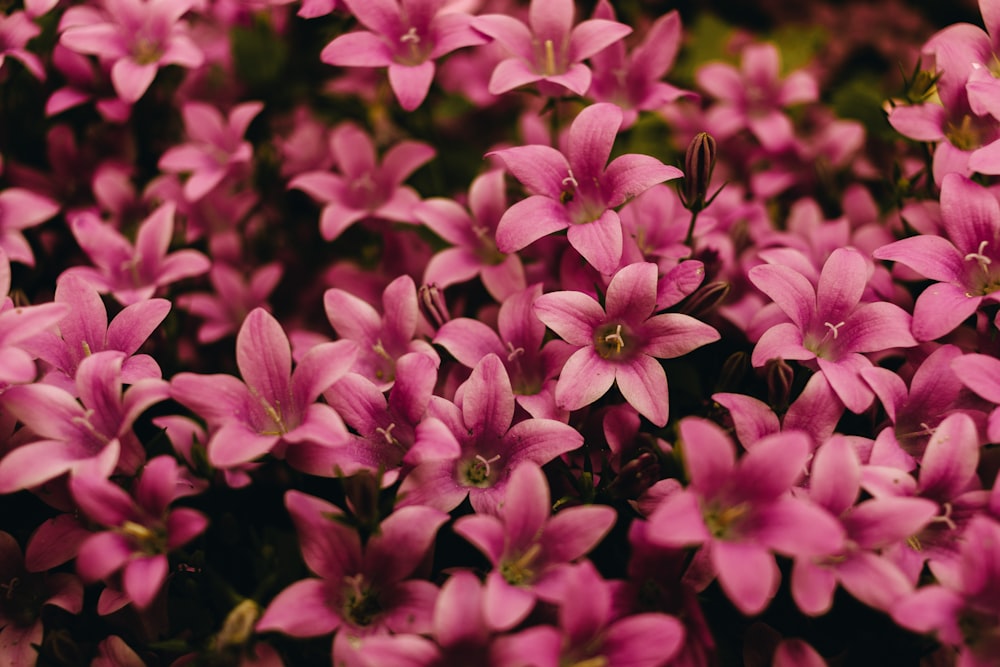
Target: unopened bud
x,y
238,626
699,163
432,304
705,299
734,369
636,476
779,382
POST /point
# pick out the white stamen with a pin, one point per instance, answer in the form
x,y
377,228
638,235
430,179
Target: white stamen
x,y
486,462
387,433
410,36
515,352
570,180
616,338
833,328
980,258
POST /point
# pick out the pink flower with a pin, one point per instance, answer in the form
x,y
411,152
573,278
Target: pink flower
x,y
85,331
364,188
633,80
519,341
381,339
16,30
94,433
142,527
216,148
471,449
578,191
25,596
528,548
753,96
828,323
133,273
620,342
137,36
234,296
742,511
273,404
549,49
359,590
965,266
474,250
20,209
406,36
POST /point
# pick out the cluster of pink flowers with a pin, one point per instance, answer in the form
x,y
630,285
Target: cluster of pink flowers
x,y
444,332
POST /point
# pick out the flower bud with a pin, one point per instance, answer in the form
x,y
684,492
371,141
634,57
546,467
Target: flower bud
x,y
636,476
431,301
705,299
779,376
238,626
699,162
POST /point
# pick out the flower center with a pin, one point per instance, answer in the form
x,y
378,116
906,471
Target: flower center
x,y
477,471
413,54
518,571
981,259
610,343
550,58
361,605
965,136
720,520
145,539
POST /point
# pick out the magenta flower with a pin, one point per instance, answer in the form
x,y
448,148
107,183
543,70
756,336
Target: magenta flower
x,y
869,527
549,49
591,633
406,36
25,596
85,81
829,325
234,296
16,30
133,273
528,548
142,529
383,429
754,96
519,341
94,433
471,449
474,251
620,342
20,209
85,331
215,148
966,265
359,591
633,80
137,36
381,339
364,188
742,511
577,191
273,404
963,613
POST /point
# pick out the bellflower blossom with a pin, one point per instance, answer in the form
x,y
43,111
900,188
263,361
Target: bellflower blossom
x,y
472,447
16,30
549,49
363,188
828,323
741,511
405,36
216,148
136,36
620,342
142,529
134,272
965,265
273,405
528,548
578,191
